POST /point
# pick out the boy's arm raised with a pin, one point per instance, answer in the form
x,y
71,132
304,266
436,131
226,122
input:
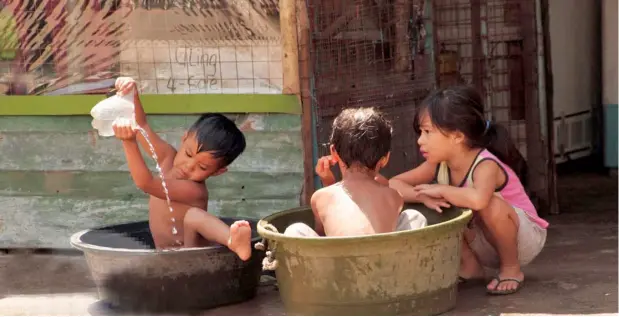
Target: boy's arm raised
x,y
183,191
165,152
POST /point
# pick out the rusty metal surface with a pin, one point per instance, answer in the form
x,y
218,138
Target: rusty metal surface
x,y
482,43
390,54
131,276
492,45
370,53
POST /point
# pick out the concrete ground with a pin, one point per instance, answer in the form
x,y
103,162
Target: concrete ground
x,y
575,274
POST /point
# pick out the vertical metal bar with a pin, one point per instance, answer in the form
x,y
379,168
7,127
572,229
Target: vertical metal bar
x,y
477,60
536,150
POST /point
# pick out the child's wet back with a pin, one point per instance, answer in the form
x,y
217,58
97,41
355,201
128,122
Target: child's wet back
x,y
358,204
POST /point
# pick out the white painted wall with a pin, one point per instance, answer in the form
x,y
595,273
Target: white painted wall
x,y
609,52
572,24
575,63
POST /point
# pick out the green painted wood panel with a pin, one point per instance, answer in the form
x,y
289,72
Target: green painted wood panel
x,y
254,122
57,176
265,151
232,185
40,105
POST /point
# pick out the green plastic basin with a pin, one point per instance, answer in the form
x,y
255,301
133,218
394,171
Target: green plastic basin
x,y
411,272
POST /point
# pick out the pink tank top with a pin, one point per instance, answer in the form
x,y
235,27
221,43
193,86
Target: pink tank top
x,y
512,191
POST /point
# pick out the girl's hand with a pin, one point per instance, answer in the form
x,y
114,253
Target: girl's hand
x,y
323,169
430,190
123,130
433,203
124,85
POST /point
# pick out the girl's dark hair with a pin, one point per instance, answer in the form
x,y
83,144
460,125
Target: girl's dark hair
x,y
461,108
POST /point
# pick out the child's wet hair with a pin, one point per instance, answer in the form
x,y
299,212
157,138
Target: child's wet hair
x,y
361,136
461,108
220,136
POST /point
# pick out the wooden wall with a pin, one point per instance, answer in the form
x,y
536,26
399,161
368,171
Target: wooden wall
x,y
57,176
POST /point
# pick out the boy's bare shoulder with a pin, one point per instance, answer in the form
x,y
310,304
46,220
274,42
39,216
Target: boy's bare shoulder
x,y
394,193
325,193
392,198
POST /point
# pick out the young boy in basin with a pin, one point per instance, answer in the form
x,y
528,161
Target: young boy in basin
x,y
362,203
207,148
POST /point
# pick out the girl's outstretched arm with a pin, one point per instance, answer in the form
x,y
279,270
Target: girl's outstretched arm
x,y
486,177
405,183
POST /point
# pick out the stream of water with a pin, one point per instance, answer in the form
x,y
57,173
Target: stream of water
x,y
163,183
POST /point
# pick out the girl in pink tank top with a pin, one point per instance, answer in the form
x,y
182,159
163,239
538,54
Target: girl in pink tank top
x,y
472,163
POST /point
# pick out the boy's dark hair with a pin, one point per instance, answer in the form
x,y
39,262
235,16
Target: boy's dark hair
x,y
361,136
461,108
219,135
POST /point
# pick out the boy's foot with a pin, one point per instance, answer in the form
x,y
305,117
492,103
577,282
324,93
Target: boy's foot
x,y
506,283
240,239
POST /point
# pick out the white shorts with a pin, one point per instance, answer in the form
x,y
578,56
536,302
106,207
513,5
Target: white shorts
x,y
531,240
409,219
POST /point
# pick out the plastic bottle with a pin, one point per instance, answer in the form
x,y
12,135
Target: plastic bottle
x,y
111,109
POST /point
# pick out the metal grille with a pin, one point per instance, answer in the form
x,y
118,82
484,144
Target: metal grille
x,y
482,43
383,54
492,44
371,53
389,54
51,47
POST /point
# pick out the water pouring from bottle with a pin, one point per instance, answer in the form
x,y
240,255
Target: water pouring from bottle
x,y
118,109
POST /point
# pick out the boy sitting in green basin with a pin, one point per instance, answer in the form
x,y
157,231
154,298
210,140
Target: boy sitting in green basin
x,y
206,150
362,202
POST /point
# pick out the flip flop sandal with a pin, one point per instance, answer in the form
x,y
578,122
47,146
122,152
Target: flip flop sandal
x,y
496,291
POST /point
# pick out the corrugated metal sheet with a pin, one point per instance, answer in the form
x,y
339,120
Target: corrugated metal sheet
x,y
58,177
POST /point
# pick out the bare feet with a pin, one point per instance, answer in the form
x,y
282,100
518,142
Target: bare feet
x,y
506,281
240,239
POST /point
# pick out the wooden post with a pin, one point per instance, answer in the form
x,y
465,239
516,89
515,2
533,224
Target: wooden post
x,y
537,151
290,48
292,83
303,28
551,166
402,14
